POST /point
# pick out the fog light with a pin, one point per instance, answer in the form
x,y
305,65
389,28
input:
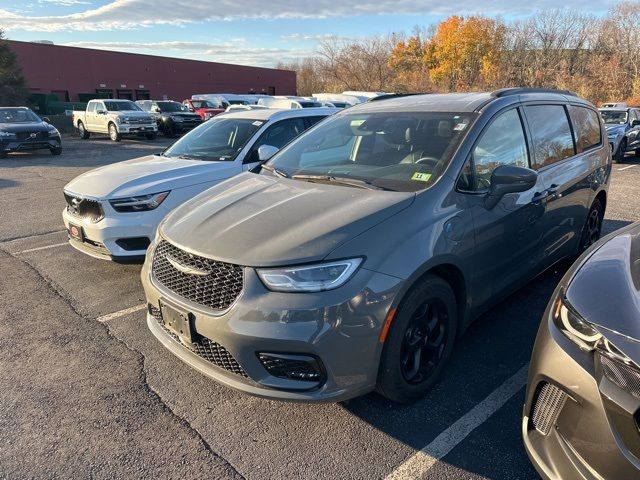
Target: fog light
x,y
293,367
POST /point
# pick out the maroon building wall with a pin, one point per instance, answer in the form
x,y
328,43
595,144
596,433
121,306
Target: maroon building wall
x,y
55,68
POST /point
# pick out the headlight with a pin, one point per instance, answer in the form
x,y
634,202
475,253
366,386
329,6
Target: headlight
x,y
177,119
574,326
309,278
120,120
7,135
140,203
53,130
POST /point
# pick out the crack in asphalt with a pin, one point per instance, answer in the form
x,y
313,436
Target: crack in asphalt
x,y
22,237
70,301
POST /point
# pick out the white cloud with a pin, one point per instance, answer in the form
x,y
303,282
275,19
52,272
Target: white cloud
x,y
237,52
65,3
131,14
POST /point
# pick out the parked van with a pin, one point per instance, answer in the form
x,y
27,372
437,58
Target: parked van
x,y
365,247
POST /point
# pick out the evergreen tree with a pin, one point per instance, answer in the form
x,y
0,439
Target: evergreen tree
x,y
13,88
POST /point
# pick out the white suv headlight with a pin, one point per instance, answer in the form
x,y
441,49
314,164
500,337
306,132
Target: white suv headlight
x,y
140,203
309,278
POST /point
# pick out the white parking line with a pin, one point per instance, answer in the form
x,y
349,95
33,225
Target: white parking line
x,y
626,168
421,462
121,313
41,248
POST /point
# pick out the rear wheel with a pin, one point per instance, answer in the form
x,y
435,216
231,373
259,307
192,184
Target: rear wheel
x,y
420,341
593,226
113,133
622,148
83,131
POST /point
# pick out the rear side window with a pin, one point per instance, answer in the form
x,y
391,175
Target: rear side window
x,y
551,134
586,126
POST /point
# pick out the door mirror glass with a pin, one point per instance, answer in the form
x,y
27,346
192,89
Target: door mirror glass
x,y
635,123
509,179
265,152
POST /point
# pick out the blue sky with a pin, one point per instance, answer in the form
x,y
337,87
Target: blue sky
x,y
253,32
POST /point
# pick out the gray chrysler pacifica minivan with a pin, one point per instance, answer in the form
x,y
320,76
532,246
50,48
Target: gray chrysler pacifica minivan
x,y
359,253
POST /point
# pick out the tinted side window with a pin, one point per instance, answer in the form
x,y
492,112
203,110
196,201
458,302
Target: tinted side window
x,y
502,143
277,135
586,126
311,121
551,134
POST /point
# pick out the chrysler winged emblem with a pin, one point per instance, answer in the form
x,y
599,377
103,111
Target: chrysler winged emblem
x,y
186,269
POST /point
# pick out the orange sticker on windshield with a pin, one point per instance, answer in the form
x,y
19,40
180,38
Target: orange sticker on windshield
x,y
421,177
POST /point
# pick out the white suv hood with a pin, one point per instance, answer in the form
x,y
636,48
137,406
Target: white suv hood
x,y
151,174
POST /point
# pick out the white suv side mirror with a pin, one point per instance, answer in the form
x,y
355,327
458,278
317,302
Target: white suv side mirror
x,y
265,152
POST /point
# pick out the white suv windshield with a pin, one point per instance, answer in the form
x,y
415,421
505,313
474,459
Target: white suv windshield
x,y
404,151
218,139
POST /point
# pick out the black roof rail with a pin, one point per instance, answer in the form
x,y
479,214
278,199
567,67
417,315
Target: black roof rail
x,y
504,92
387,96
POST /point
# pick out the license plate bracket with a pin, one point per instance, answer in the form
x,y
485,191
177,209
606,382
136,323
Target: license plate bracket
x,y
177,322
76,232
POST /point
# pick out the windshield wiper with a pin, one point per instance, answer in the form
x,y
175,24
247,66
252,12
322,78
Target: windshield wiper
x,y
275,171
351,182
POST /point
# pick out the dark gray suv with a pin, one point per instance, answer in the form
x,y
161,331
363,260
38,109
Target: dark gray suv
x,y
359,253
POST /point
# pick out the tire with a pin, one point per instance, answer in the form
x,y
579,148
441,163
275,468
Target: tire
x,y
151,136
622,149
637,152
84,134
114,134
592,227
169,131
3,154
56,151
412,359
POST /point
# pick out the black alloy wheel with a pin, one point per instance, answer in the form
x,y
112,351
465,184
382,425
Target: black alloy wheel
x,y
419,342
593,226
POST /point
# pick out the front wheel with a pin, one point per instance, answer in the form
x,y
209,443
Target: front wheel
x,y
113,133
593,226
420,341
56,151
622,149
151,136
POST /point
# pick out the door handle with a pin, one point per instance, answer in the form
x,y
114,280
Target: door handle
x,y
552,192
539,197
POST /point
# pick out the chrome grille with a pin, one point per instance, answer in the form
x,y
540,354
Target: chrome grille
x,y
624,376
139,120
84,208
32,136
209,350
547,407
201,280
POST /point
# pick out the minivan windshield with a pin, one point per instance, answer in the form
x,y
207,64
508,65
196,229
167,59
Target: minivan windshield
x,y
18,115
217,139
617,117
404,151
121,106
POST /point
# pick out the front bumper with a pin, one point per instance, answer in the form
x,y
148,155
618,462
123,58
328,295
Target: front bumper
x,y
595,434
134,129
104,239
339,327
37,143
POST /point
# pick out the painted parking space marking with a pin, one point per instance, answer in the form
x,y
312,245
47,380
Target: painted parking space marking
x,y
37,249
626,168
121,313
421,462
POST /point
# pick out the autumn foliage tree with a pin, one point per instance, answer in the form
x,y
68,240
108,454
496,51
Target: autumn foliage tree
x,y
13,90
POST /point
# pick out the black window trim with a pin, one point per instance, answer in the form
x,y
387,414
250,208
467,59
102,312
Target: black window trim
x,y
247,158
575,140
469,159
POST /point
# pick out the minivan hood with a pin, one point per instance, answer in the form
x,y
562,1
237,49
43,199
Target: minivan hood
x,y
256,220
606,289
150,174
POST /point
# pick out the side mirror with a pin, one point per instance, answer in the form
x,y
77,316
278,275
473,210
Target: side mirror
x,y
265,152
509,179
101,112
635,123
157,109
46,120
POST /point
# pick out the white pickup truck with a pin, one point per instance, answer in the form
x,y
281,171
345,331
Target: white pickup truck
x,y
116,118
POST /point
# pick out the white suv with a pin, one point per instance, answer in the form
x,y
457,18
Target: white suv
x,y
113,211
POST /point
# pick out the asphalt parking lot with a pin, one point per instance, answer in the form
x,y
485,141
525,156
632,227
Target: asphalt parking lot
x,y
86,391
